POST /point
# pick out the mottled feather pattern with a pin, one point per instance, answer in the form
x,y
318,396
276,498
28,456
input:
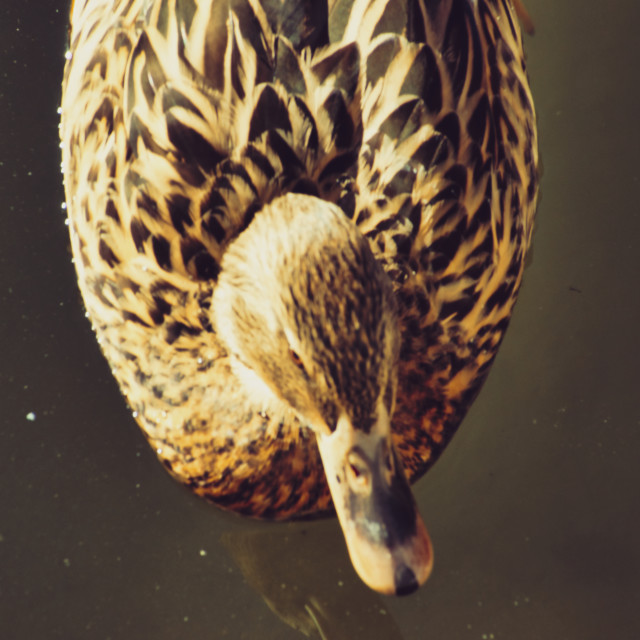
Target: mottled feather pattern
x,y
183,118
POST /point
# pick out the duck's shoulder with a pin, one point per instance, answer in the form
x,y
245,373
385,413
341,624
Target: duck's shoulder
x,y
195,114
447,188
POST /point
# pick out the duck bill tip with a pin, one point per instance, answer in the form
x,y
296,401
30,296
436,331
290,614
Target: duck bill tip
x,y
386,538
392,570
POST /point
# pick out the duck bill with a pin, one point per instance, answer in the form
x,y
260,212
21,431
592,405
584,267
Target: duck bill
x,y
386,538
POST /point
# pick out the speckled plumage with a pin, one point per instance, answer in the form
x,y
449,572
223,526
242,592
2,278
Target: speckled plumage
x,y
181,119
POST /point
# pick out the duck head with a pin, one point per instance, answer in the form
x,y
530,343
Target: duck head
x,y
309,316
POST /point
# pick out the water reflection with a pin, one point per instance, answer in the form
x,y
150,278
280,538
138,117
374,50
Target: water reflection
x,y
306,579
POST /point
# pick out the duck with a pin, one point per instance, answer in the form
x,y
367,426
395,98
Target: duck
x,y
299,229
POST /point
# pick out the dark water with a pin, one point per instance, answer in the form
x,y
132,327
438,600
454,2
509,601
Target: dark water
x,y
533,510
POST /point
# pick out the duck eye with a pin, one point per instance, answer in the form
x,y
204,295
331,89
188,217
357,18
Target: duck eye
x,y
296,359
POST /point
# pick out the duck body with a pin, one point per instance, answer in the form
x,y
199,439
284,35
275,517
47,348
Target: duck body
x,y
198,133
